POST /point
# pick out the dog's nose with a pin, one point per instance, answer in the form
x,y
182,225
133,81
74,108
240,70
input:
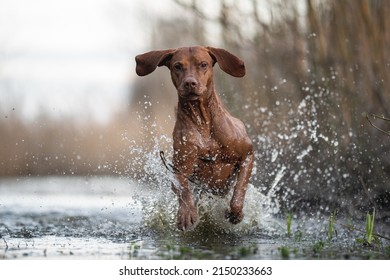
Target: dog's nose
x,y
190,83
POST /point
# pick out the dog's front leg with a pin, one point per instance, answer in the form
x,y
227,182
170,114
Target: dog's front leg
x,y
235,214
187,215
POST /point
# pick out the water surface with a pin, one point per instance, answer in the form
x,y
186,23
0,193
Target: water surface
x,y
115,218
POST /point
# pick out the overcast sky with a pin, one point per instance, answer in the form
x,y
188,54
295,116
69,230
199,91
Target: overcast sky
x,y
67,57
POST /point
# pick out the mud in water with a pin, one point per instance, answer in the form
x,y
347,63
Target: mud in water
x,y
113,218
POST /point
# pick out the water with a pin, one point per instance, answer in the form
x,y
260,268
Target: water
x,y
64,216
117,218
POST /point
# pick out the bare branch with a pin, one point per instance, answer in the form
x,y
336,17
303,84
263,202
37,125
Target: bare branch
x,y
194,8
378,117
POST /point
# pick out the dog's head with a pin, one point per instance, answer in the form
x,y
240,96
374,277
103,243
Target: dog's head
x,y
191,67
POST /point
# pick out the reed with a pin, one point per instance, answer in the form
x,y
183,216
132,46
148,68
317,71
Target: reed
x,y
370,227
331,228
289,218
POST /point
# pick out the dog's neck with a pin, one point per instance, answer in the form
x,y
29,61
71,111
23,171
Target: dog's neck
x,y
199,111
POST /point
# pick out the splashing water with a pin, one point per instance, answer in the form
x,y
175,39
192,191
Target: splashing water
x,y
262,201
161,204
286,159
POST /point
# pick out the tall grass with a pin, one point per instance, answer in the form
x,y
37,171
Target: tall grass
x,y
62,147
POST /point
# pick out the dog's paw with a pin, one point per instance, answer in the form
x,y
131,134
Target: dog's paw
x,y
187,217
234,217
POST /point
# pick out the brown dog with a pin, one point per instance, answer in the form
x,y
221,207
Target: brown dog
x,y
210,146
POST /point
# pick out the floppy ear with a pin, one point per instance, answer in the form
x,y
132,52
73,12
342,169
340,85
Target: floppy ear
x,y
228,62
148,62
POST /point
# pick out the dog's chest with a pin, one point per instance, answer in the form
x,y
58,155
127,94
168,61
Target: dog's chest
x,y
208,148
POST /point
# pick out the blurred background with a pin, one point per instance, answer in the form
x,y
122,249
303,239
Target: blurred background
x,y
71,104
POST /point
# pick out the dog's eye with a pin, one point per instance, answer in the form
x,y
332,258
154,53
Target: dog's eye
x,y
203,65
178,67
